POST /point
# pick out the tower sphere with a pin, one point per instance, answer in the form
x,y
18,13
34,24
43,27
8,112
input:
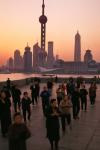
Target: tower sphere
x,y
43,19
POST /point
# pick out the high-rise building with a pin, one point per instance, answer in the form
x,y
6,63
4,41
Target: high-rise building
x,y
43,21
27,59
57,57
77,50
36,57
50,56
88,57
18,61
10,64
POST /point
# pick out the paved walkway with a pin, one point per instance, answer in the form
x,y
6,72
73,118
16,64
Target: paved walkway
x,y
85,133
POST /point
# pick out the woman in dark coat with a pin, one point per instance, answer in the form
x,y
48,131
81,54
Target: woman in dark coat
x,y
5,113
92,93
83,96
18,134
76,103
52,124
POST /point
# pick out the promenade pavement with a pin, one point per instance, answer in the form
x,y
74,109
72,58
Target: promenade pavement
x,y
85,133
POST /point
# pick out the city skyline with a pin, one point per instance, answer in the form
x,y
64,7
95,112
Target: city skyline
x,y
15,31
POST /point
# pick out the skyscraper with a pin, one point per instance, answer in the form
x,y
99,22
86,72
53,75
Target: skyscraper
x,y
43,21
10,64
88,57
36,57
77,50
27,59
18,61
57,57
50,57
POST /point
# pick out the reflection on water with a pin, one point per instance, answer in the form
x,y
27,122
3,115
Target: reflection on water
x,y
17,76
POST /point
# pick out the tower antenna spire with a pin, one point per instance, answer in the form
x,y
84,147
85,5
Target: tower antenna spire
x,y
77,31
43,21
43,6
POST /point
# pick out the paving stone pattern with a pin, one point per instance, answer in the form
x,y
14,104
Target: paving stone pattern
x,y
85,133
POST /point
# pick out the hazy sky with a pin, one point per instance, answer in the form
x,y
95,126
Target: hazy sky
x,y
19,24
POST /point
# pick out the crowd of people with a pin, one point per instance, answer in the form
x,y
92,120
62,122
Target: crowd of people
x,y
71,97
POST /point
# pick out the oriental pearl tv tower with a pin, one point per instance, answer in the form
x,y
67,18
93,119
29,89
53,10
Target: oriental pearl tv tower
x,y
43,21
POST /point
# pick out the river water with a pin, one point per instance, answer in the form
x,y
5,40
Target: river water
x,y
18,76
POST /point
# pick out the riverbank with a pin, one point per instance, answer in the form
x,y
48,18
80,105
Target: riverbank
x,y
20,76
27,81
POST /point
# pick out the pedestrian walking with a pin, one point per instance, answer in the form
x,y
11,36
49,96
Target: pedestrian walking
x,y
70,86
26,108
45,96
7,91
37,88
16,95
76,103
65,109
83,96
52,124
5,113
92,93
60,94
8,83
34,93
50,86
56,79
18,134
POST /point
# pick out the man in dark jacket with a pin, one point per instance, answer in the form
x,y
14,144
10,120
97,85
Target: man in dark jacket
x,y
50,86
83,96
16,95
18,134
70,87
5,112
76,103
26,108
35,89
45,96
8,83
